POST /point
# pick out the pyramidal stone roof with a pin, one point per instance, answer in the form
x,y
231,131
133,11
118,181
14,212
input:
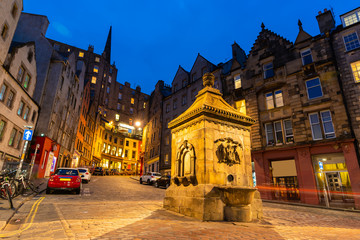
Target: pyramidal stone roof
x,y
209,102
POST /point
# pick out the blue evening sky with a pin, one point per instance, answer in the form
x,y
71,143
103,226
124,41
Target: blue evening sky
x,y
150,39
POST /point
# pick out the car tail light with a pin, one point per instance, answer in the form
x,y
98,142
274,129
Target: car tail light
x,y
86,173
152,176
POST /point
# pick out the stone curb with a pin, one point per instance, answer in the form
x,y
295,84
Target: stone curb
x,y
7,216
311,206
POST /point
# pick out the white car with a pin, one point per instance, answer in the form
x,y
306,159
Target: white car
x,y
85,174
150,177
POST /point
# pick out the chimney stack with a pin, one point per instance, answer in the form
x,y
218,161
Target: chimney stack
x,y
326,21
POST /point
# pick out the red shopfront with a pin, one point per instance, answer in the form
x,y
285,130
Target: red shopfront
x,y
293,174
46,157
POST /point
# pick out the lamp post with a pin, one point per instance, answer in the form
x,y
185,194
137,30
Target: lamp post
x,y
33,160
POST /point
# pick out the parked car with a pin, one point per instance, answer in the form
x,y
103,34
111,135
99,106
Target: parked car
x,y
99,171
85,174
150,177
64,179
115,172
164,181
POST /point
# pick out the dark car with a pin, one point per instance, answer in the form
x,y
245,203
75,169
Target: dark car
x,y
99,171
164,181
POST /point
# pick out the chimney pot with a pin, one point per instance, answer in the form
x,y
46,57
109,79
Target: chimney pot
x,y
319,12
325,9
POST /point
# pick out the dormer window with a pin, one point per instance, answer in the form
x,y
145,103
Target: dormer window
x,y
268,70
306,57
351,18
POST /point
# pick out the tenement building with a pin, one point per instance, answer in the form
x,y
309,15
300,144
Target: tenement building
x,y
346,45
153,129
18,110
302,142
58,91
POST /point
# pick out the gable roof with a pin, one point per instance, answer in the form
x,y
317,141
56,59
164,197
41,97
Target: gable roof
x,y
302,35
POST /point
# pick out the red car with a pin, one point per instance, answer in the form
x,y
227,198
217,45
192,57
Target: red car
x,y
65,179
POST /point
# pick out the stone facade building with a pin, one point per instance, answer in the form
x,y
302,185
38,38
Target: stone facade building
x,y
152,138
302,141
346,45
17,84
58,90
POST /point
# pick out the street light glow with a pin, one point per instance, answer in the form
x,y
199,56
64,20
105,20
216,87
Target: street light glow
x,y
137,124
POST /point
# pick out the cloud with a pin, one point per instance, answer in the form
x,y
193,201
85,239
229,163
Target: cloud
x,y
60,28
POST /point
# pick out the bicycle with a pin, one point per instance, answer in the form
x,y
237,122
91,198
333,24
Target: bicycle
x,y
24,186
5,190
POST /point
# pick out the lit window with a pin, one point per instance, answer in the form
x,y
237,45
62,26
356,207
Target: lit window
x,y
132,100
130,123
241,106
144,104
313,87
69,50
81,54
93,80
278,98
21,106
97,59
109,79
108,148
120,96
4,31
351,19
166,158
96,69
268,70
26,81
269,100
237,81
351,41
306,57
355,67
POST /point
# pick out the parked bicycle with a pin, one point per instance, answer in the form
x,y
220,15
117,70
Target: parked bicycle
x,y
5,189
24,186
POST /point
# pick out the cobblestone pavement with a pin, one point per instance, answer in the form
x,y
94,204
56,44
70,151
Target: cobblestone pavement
x,y
120,208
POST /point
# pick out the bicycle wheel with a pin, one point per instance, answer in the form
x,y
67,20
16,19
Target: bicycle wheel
x,y
8,193
13,189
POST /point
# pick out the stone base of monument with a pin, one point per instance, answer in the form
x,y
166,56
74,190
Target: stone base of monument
x,y
214,203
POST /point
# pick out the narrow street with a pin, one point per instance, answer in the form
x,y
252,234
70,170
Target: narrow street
x,y
114,207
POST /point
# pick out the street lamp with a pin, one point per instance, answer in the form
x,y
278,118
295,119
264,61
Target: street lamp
x,y
137,124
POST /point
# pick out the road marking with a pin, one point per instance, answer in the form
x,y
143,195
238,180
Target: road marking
x,y
31,215
86,192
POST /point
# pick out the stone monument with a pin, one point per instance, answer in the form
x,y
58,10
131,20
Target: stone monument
x,y
211,170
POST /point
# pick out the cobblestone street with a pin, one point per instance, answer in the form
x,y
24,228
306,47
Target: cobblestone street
x,y
121,208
